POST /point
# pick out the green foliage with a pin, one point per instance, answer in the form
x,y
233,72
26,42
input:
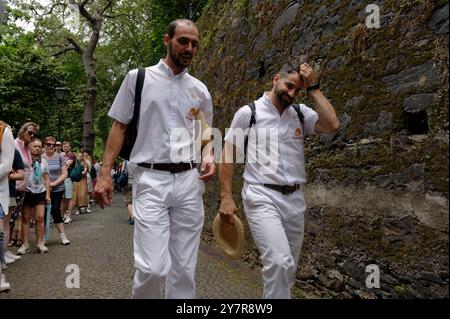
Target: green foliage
x,y
32,64
136,38
401,291
27,81
241,4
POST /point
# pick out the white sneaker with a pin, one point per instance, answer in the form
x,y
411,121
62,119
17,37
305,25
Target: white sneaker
x,y
4,286
11,255
4,266
41,248
88,210
67,220
64,240
9,260
24,249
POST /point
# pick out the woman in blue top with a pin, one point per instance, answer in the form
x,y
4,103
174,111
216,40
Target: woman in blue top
x,y
58,173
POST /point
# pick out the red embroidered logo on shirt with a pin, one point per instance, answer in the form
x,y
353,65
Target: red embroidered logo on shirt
x,y
192,113
298,133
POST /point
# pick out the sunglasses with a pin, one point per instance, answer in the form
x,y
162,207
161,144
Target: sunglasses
x,y
31,133
50,144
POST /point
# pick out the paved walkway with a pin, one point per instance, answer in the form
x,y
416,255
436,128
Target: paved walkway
x,y
102,249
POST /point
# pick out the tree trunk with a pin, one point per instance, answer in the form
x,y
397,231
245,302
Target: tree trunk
x,y
91,88
88,116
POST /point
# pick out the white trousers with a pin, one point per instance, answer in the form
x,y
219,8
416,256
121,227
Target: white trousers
x,y
276,222
168,213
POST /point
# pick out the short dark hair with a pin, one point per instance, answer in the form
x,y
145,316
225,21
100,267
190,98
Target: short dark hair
x,y
173,26
288,68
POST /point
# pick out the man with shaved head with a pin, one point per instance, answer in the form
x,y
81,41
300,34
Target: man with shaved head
x,y
167,188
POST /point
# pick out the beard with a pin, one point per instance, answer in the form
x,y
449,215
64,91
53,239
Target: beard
x,y
182,59
283,98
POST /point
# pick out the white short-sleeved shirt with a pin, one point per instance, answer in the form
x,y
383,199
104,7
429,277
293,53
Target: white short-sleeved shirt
x,y
277,157
6,161
167,114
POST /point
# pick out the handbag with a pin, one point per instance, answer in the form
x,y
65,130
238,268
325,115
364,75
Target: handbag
x,y
122,179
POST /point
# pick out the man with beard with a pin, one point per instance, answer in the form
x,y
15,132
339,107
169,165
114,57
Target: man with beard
x,y
272,195
167,189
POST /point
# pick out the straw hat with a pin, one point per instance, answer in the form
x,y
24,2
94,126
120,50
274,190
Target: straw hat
x,y
230,238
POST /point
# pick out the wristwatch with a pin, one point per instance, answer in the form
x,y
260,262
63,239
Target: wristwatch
x,y
313,87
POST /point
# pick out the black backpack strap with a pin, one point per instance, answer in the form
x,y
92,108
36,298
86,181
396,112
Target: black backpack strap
x,y
138,95
132,128
300,115
252,107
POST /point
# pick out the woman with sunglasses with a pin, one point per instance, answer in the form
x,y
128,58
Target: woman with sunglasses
x,y
26,134
58,173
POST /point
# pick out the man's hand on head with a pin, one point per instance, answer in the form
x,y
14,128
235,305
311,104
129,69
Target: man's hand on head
x,y
307,76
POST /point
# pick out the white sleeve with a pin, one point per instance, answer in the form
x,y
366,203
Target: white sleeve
x,y
239,127
123,105
207,107
310,120
7,153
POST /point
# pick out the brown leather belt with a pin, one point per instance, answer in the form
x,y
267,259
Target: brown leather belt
x,y
170,167
284,189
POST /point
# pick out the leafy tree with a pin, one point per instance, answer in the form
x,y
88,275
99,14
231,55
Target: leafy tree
x,y
28,77
96,42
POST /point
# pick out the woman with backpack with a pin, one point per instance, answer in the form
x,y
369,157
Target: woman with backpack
x,y
80,187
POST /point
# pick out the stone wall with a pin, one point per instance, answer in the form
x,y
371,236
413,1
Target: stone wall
x,y
378,188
